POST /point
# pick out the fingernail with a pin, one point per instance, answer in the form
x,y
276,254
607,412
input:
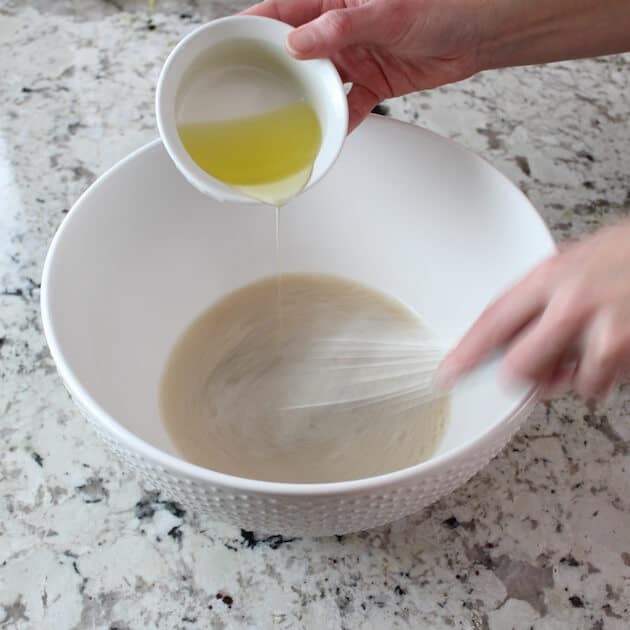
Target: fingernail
x,y
301,40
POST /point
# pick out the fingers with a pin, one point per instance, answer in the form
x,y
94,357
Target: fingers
x,y
293,12
537,352
575,308
334,30
560,380
361,101
497,325
606,355
322,32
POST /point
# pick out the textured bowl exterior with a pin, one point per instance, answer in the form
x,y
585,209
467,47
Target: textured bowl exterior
x,y
318,515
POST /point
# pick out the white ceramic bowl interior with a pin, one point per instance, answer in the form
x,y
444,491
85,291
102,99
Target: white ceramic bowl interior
x,y
142,253
318,78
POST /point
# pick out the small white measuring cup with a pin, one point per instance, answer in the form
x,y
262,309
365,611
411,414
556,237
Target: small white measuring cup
x,y
317,80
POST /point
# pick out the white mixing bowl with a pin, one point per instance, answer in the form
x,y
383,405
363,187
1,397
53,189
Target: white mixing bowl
x,y
142,253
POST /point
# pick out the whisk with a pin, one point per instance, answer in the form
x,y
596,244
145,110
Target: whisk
x,y
342,372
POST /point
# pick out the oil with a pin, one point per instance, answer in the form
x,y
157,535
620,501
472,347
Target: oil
x,y
244,117
268,157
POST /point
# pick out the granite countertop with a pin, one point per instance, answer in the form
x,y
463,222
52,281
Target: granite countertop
x,y
540,538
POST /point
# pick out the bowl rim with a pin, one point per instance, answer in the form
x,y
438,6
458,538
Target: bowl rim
x,y
84,401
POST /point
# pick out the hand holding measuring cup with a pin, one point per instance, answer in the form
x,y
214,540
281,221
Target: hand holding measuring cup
x,y
383,48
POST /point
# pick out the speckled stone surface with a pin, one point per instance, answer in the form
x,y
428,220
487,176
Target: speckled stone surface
x,y
539,539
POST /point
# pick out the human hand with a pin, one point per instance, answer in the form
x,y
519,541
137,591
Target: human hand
x,y
388,48
567,322
385,48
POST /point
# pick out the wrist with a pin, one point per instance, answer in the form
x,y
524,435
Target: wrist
x,y
518,32
524,32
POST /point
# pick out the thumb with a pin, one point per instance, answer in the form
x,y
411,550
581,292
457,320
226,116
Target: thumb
x,y
334,30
